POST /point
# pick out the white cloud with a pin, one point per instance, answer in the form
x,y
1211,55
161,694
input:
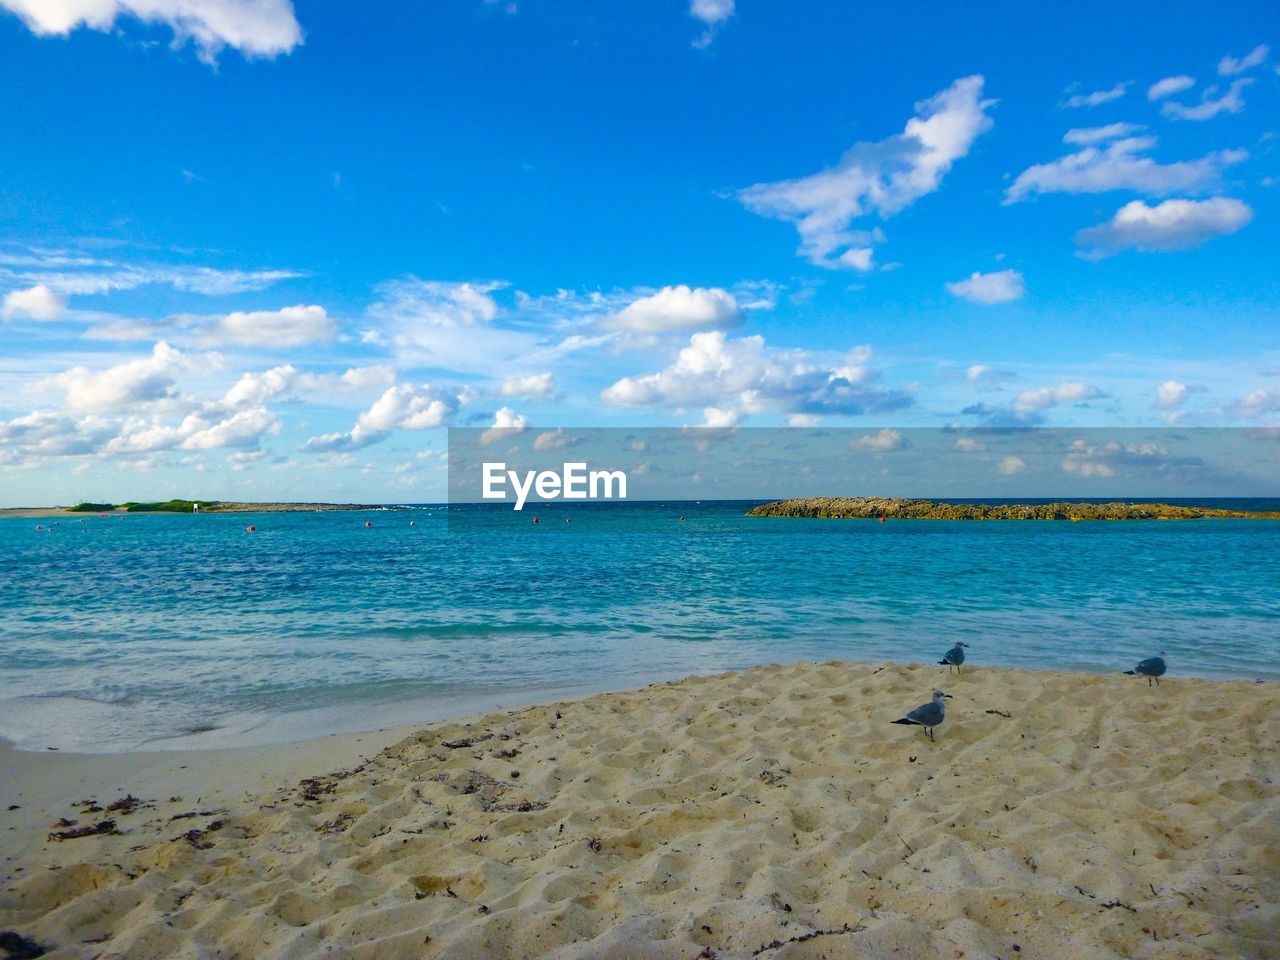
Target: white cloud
x,y
1098,97
1074,464
986,376
1042,398
506,423
447,325
1229,66
556,439
404,407
1230,102
712,13
1012,466
1257,402
718,418
678,308
882,178
288,380
969,445
744,376
886,441
1121,166
1171,225
35,303
535,386
1000,287
1169,86
262,28
143,381
1084,136
74,272
1171,394
286,327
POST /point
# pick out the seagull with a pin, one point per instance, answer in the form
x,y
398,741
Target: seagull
x,y
954,657
928,715
1152,668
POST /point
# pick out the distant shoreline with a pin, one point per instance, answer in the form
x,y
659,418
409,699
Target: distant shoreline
x,y
217,506
873,508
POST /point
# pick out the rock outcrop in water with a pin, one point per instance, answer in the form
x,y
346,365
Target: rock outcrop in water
x,y
872,508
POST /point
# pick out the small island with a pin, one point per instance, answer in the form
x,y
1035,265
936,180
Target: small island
x,y
874,508
187,506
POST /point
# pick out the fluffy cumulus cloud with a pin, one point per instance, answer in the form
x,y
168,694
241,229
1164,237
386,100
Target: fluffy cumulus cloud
x,y
1091,460
404,407
287,380
875,178
1169,86
205,429
1171,394
557,439
1229,66
1257,403
535,386
886,441
1097,97
135,411
1042,398
1213,103
678,309
286,327
727,377
146,380
1000,287
1171,225
506,424
261,28
1122,165
1011,466
34,303
712,13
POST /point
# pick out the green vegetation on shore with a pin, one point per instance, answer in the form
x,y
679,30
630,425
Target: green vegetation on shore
x,y
871,508
168,506
216,506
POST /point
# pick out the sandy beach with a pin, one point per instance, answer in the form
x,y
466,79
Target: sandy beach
x,y
774,812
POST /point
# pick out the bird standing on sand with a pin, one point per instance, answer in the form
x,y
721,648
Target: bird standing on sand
x,y
928,715
1153,668
954,657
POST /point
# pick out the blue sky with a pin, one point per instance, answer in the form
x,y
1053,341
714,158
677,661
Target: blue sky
x,y
270,250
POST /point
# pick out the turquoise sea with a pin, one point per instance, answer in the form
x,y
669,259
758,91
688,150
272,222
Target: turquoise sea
x,y
157,631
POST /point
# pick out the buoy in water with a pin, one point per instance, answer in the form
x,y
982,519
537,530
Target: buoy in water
x,y
567,520
535,519
882,519
682,516
368,523
412,522
251,528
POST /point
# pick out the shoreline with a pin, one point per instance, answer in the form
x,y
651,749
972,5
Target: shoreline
x,y
286,728
283,729
1071,814
219,506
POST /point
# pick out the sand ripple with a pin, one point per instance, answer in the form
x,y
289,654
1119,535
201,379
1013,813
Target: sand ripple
x,y
772,813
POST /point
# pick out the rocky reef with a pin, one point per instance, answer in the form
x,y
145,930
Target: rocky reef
x,y
873,508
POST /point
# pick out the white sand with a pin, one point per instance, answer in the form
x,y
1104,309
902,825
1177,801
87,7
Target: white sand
x,y
775,813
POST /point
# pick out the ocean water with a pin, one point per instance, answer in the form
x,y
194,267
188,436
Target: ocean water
x,y
175,631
